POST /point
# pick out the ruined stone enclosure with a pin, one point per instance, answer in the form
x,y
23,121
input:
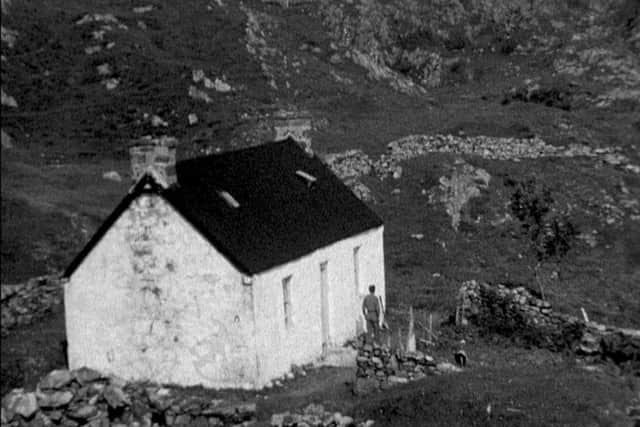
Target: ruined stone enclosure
x,y
517,313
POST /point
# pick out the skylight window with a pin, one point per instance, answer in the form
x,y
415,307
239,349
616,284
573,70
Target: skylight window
x,y
229,199
308,178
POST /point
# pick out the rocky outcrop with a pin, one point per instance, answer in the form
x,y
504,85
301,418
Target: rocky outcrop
x,y
464,183
24,302
86,397
517,313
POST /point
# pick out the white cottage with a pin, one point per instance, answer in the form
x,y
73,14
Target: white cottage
x,y
223,270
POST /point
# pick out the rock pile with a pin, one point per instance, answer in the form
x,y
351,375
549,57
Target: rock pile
x,y
381,367
517,313
86,397
24,302
315,415
349,164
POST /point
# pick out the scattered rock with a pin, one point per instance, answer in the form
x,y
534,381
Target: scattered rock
x,y
90,50
199,95
106,18
221,86
193,119
336,58
112,176
111,83
143,9
7,141
104,69
447,368
156,121
8,36
8,100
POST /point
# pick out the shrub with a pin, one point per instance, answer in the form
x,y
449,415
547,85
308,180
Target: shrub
x,y
551,233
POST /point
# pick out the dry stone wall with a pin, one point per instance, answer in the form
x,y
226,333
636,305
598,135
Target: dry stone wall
x,y
350,165
22,303
380,367
86,397
516,312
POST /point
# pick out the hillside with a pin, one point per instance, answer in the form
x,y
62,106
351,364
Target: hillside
x,y
499,141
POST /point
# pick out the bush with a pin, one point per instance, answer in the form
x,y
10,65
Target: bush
x,y
551,233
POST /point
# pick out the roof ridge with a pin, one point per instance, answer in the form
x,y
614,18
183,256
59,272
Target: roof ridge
x,y
289,140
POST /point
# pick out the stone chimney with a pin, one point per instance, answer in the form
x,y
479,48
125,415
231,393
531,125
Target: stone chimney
x,y
294,124
154,156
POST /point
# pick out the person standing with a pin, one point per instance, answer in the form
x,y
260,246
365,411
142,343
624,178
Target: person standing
x,y
371,311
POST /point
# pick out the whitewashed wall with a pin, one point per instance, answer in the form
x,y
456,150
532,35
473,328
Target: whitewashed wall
x,y
155,301
279,347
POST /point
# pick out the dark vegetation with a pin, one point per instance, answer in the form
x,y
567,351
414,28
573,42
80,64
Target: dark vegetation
x,y
551,232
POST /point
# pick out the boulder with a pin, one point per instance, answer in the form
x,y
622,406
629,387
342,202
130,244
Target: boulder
x,y
19,402
7,141
159,398
83,412
112,176
115,396
86,375
56,379
54,399
446,368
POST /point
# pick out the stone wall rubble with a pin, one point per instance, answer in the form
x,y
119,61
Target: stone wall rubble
x,y
315,415
518,313
24,302
380,367
86,397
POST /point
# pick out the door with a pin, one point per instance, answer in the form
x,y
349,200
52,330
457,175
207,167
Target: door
x,y
324,303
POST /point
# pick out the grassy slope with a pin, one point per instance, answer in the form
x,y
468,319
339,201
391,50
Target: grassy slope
x,y
69,130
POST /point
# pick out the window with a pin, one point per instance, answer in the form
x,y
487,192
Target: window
x,y
306,177
286,298
356,268
229,199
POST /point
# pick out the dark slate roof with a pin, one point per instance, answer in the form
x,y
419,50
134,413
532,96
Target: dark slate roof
x,y
280,218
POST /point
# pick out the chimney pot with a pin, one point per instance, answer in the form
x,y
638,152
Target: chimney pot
x,y
154,156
